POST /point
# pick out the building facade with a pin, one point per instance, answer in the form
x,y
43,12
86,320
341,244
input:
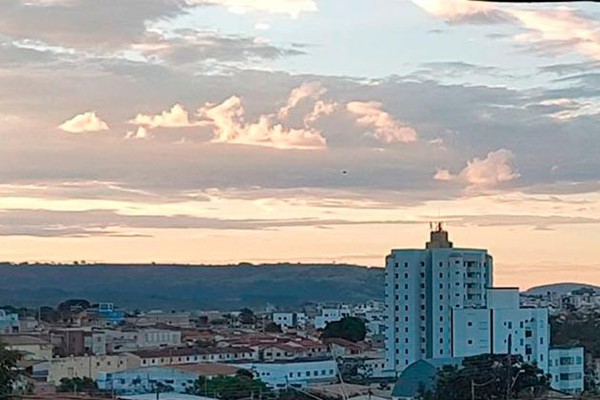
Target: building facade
x,y
422,289
502,327
9,322
280,375
566,366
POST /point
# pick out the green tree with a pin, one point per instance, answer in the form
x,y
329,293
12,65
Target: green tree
x,y
272,327
489,377
71,304
247,317
8,370
243,385
349,328
77,385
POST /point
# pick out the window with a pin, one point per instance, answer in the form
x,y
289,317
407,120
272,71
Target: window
x,y
469,342
469,323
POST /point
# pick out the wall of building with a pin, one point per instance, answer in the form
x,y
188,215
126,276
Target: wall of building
x,y
90,367
422,287
566,366
299,374
145,380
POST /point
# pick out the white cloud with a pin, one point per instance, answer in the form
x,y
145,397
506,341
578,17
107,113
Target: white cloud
x,y
308,90
140,133
320,109
564,28
291,8
228,120
385,128
495,169
262,26
460,10
86,122
176,117
443,175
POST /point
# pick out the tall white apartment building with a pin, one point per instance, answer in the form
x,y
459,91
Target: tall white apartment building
x,y
441,303
423,287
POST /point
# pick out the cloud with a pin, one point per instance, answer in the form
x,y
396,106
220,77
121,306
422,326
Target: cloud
x,y
291,8
443,175
485,173
386,128
308,90
184,47
320,109
555,30
563,28
228,120
139,133
86,122
463,11
176,117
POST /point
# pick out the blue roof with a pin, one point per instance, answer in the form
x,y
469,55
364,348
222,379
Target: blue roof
x,y
421,375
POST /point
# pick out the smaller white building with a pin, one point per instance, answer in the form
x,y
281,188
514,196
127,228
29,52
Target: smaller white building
x,y
9,323
301,374
502,327
290,319
332,315
566,366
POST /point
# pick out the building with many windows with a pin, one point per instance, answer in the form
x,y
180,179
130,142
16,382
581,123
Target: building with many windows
x,y
423,288
566,366
502,327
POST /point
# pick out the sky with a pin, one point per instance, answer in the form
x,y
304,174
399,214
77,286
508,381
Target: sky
x,y
222,131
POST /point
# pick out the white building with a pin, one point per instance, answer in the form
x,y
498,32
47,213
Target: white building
x,y
499,324
145,380
126,340
567,369
279,375
290,319
9,323
332,315
423,287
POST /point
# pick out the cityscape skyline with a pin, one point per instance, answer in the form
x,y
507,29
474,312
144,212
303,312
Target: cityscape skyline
x,y
226,131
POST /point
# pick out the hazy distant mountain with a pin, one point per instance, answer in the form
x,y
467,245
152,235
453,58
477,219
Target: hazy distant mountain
x,y
560,288
191,287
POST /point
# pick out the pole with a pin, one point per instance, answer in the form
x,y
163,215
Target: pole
x,y
472,389
508,367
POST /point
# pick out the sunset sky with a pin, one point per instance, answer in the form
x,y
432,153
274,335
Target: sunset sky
x,y
221,131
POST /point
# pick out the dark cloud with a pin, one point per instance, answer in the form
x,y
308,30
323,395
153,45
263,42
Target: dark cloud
x,y
84,24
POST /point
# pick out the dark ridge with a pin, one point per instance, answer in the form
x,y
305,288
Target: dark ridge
x,y
171,287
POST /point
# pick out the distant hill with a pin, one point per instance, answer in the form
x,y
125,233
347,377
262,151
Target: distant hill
x,y
560,288
171,287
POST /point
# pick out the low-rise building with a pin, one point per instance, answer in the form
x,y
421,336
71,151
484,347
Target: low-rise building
x,y
188,355
181,319
177,377
30,347
299,373
79,367
566,365
127,340
290,319
79,342
9,322
328,315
